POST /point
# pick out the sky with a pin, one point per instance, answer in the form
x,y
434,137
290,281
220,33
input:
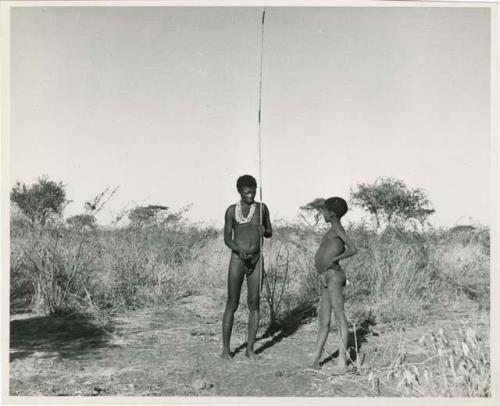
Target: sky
x,y
163,101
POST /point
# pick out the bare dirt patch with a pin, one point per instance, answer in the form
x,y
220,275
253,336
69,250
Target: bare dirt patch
x,y
174,351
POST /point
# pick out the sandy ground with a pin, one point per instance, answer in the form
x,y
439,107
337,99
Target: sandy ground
x,y
174,351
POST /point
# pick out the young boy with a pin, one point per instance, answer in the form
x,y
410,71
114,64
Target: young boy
x,y
334,247
243,233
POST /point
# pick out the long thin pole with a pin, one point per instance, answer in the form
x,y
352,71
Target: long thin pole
x,y
260,142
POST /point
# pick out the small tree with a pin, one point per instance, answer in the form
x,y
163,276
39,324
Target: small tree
x,y
157,215
82,221
312,209
40,201
144,215
96,204
391,202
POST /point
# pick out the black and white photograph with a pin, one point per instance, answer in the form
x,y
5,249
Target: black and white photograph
x,y
257,201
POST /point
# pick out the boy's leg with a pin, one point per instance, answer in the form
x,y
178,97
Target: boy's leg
x,y
336,283
235,277
253,302
324,317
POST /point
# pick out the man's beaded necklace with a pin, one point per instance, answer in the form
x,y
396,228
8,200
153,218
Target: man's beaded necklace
x,y
239,215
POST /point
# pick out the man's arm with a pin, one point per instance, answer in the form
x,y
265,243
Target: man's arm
x,y
349,245
268,230
228,232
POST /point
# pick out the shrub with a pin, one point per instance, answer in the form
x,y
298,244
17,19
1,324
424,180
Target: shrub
x,y
56,265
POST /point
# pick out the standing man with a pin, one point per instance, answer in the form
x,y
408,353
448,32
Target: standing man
x,y
243,234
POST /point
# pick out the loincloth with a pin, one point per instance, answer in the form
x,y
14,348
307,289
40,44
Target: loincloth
x,y
334,274
249,263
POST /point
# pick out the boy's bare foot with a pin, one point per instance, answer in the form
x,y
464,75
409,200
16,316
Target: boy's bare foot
x,y
251,355
226,355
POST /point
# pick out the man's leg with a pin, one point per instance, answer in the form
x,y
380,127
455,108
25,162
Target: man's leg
x,y
235,277
324,317
336,283
254,288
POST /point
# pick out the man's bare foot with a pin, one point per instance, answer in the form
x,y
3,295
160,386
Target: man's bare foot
x,y
226,355
251,355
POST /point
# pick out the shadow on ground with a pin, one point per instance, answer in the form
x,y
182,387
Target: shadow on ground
x,y
284,327
67,336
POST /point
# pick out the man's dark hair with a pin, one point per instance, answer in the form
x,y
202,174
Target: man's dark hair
x,y
337,205
246,180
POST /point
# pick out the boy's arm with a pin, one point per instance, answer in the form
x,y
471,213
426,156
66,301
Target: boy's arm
x,y
349,245
268,230
228,232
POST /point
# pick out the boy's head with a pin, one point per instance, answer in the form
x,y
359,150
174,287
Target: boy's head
x,y
247,186
334,205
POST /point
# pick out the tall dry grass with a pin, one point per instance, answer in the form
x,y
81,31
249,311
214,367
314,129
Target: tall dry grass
x,y
396,275
457,364
60,269
53,266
